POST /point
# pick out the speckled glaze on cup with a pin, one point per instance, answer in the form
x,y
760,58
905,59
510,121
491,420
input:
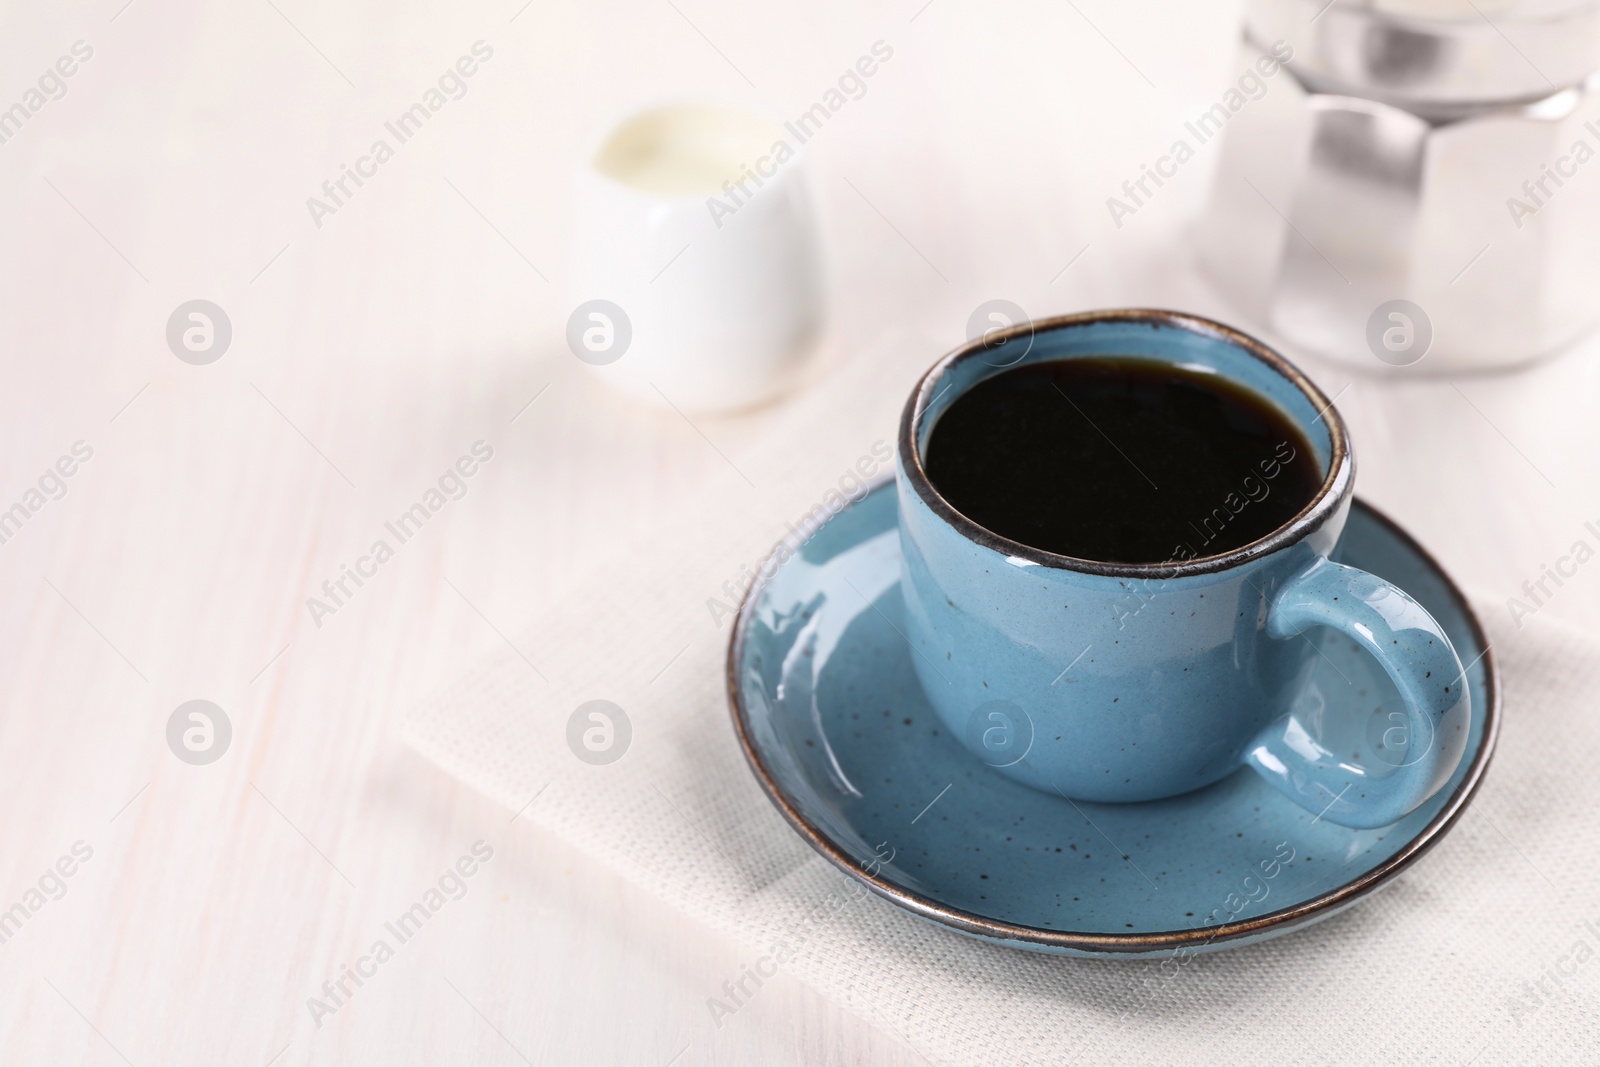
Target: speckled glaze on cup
x,y
1116,682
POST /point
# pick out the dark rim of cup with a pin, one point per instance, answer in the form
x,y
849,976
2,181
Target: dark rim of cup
x,y
1334,492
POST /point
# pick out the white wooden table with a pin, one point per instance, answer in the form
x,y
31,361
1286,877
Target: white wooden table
x,y
371,351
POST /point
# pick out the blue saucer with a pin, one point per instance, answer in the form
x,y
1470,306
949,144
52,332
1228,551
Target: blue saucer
x,y
835,726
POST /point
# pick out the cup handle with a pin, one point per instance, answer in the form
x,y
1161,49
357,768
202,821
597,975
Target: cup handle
x,y
1413,649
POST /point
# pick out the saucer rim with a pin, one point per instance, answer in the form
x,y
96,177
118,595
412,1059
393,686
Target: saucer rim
x,y
1281,921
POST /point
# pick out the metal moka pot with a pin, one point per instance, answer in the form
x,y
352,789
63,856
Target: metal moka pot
x,y
1424,183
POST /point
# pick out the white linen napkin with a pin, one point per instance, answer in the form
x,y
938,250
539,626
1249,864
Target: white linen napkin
x,y
1485,951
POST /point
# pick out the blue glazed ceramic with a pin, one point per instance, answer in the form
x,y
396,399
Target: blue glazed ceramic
x,y
836,725
1129,682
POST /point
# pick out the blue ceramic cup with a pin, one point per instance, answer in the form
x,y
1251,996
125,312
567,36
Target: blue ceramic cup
x,y
1128,682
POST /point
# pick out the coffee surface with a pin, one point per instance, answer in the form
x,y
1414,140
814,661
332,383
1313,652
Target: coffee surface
x,y
1121,460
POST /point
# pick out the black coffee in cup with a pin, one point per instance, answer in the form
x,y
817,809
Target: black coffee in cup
x,y
1121,460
